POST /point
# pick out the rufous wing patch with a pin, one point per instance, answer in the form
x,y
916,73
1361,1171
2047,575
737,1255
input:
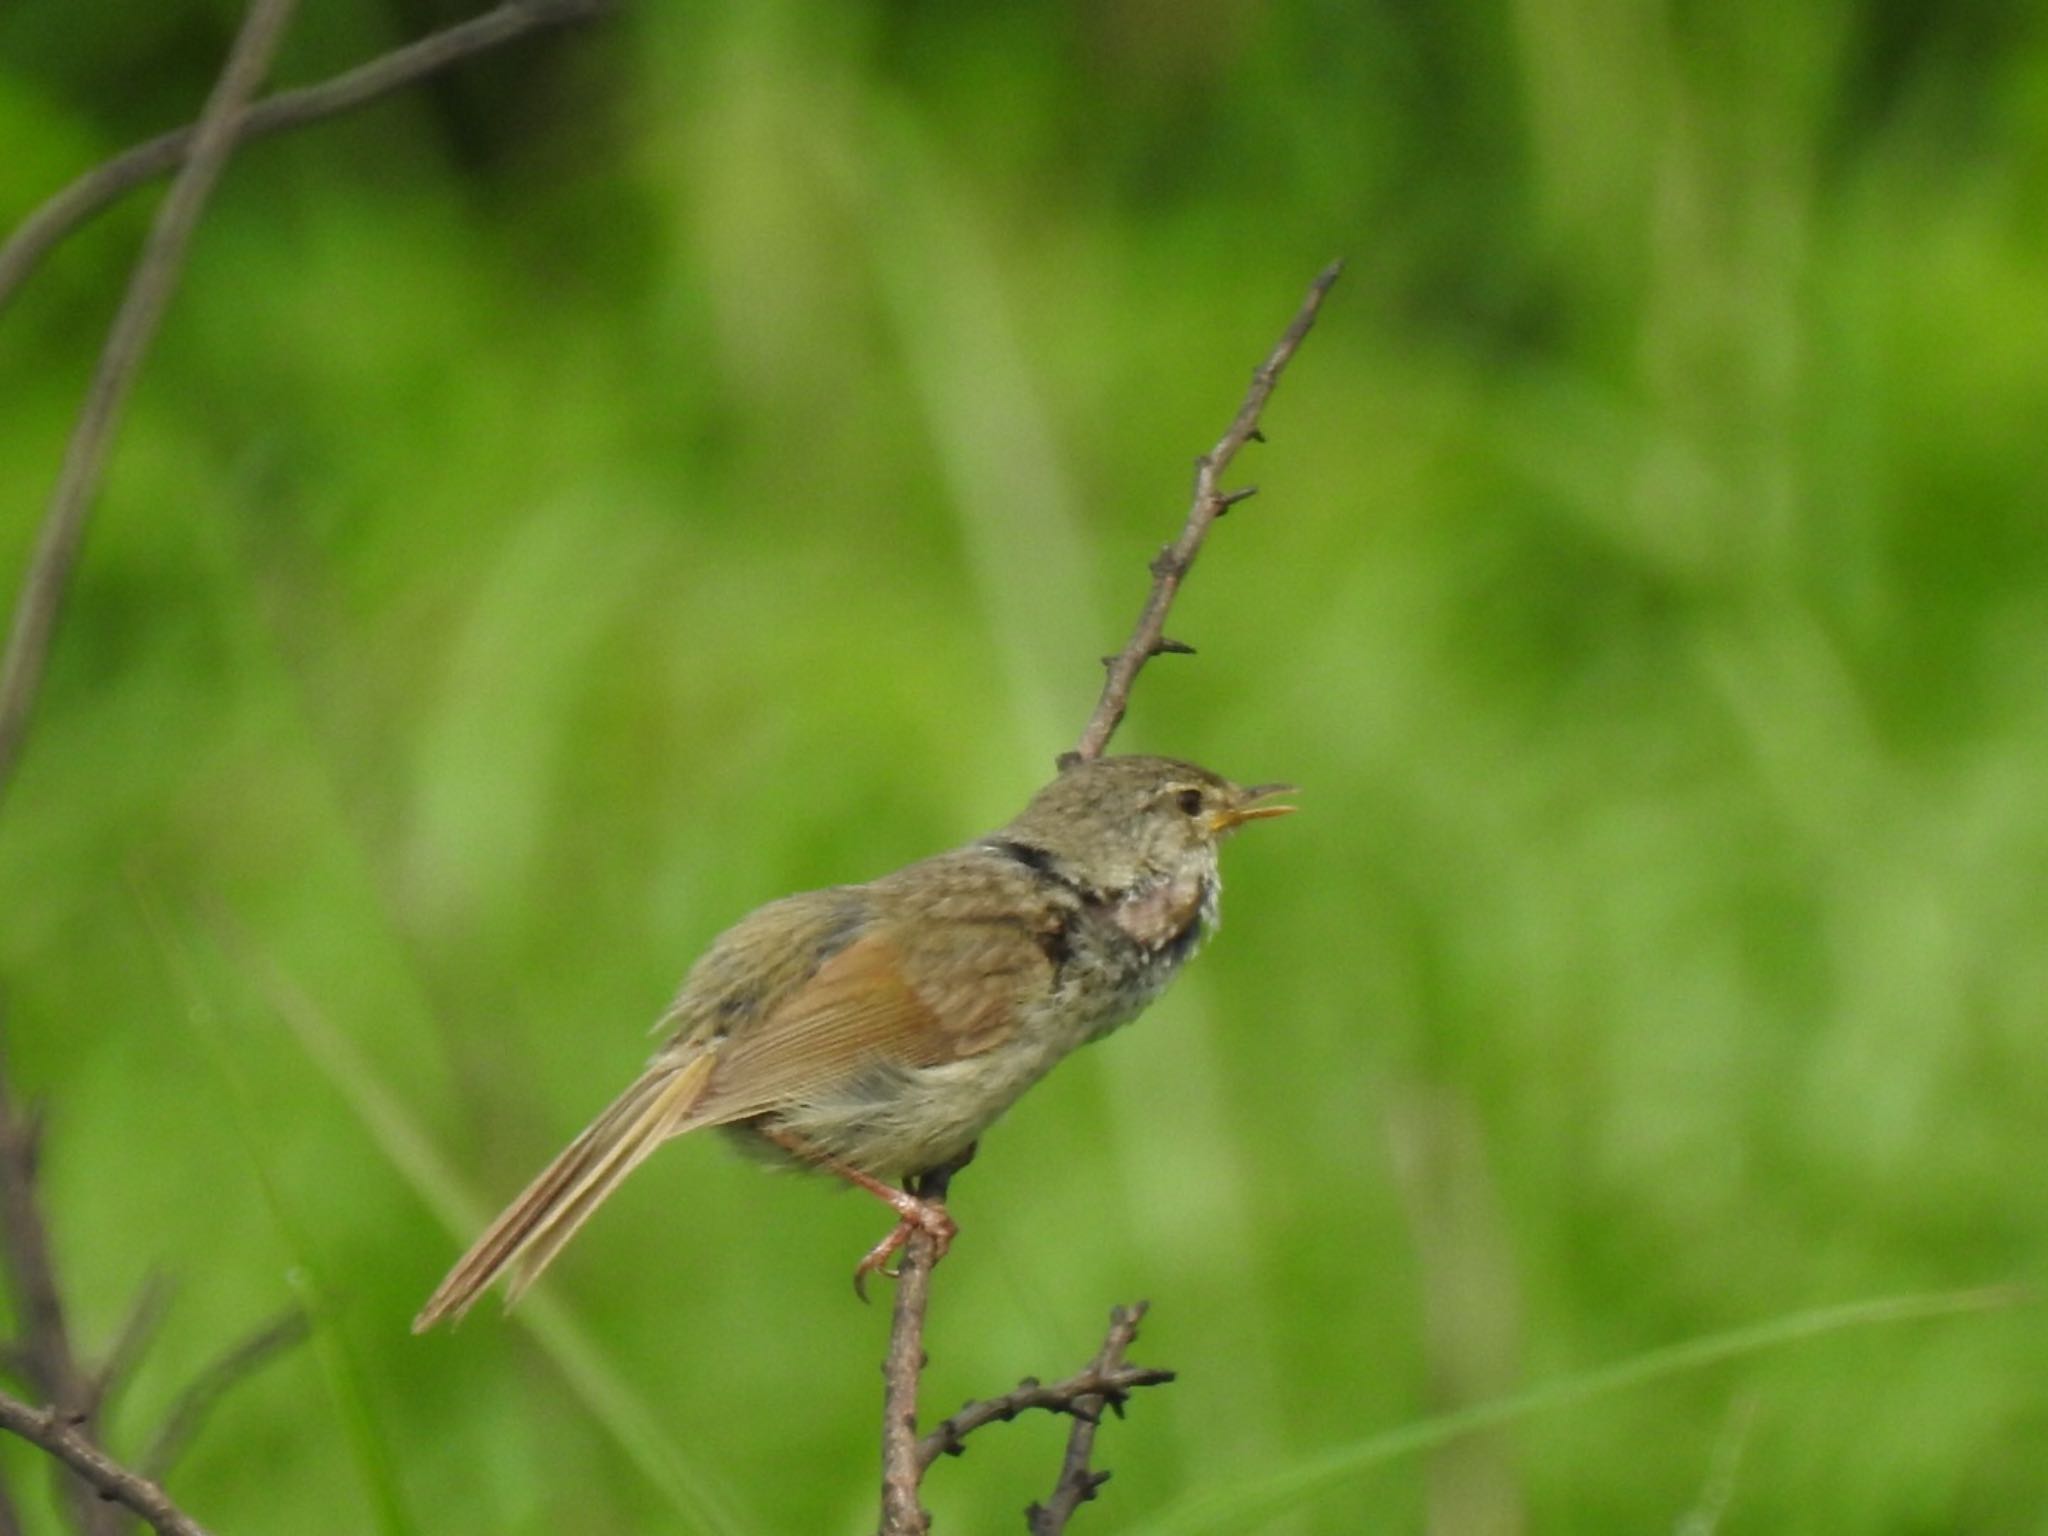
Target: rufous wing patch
x,y
858,1012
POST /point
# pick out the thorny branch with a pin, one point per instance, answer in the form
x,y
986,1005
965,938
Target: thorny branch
x,y
1171,565
1108,1381
1077,1484
107,183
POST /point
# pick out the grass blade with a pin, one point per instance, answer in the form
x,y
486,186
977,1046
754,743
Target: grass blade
x,y
338,1365
1231,1507
411,1152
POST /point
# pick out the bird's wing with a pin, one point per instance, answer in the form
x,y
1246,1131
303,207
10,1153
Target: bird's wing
x,y
861,1011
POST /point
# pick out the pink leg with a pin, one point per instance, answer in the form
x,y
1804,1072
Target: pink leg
x,y
913,1214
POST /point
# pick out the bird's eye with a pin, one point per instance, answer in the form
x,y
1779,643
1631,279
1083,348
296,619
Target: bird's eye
x,y
1190,801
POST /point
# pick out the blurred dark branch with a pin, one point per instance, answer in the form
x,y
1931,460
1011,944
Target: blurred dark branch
x,y
44,1353
1077,1484
1172,564
189,1413
106,184
131,1342
109,1482
53,1369
135,323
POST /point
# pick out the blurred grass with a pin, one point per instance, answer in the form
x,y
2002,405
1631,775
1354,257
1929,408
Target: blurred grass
x,y
703,459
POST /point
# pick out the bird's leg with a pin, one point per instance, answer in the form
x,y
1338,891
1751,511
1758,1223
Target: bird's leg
x,y
921,1210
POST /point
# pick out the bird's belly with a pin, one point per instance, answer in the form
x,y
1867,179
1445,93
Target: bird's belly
x,y
898,1120
901,1120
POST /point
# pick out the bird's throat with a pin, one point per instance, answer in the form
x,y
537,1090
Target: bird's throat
x,y
1169,914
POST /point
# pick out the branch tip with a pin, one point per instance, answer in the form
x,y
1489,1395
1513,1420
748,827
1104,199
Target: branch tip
x,y
1169,568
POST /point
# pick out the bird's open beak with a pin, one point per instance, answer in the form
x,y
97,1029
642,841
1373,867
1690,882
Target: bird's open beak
x,y
1248,806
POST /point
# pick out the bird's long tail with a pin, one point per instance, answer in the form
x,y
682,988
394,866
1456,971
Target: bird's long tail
x,y
549,1211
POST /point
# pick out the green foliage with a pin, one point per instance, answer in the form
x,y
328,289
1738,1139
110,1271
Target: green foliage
x,y
660,469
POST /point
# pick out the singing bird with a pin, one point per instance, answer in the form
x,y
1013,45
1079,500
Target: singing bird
x,y
875,1031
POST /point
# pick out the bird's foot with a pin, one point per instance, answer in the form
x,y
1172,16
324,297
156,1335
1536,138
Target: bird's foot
x,y
914,1216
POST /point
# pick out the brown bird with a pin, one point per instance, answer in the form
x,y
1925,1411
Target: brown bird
x,y
875,1031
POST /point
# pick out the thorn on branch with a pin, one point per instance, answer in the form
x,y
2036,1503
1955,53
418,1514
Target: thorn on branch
x,y
1172,564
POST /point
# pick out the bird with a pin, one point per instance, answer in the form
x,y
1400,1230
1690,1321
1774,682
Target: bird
x,y
875,1031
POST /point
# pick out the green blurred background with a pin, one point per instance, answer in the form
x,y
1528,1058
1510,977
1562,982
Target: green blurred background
x,y
701,457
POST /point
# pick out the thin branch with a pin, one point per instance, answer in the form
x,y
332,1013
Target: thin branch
x,y
1083,1396
50,1360
106,184
1109,1381
902,1464
1172,564
189,1413
45,1355
109,1480
1077,1484
132,1340
142,308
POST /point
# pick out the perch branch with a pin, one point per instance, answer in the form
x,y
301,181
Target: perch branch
x,y
135,324
1108,1382
902,1464
1171,565
106,184
108,1479
1077,1484
1083,1396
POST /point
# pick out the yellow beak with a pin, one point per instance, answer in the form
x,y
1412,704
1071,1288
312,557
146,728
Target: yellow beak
x,y
1248,807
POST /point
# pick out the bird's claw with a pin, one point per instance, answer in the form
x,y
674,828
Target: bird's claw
x,y
917,1216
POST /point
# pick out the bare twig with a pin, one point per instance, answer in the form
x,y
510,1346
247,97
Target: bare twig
x,y
132,1340
142,307
1172,564
189,1413
902,1464
107,1478
106,184
1077,1484
1082,1395
44,1353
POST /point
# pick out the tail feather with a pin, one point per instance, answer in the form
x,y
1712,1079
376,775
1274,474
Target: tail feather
x,y
548,1212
